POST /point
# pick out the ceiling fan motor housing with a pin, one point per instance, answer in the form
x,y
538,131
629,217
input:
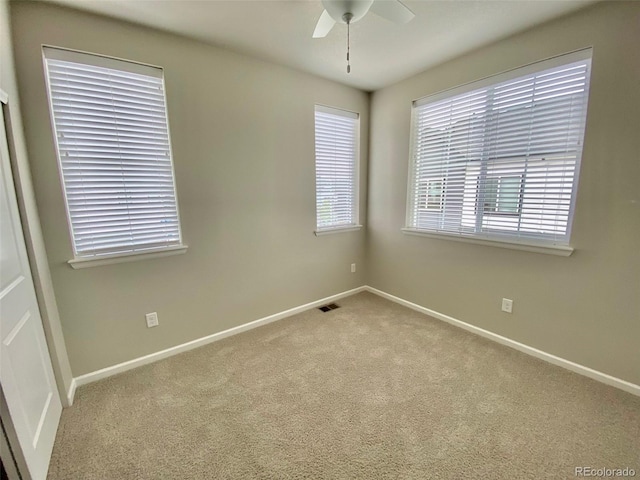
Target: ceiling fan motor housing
x,y
339,9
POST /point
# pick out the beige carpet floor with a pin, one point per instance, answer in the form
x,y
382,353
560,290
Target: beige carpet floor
x,y
371,390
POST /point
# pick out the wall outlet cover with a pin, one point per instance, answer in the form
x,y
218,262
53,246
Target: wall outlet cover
x,y
152,319
507,305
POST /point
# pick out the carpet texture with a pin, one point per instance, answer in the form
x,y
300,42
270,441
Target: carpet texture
x,y
371,390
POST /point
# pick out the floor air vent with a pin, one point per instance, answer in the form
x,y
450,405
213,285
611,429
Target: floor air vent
x,y
329,306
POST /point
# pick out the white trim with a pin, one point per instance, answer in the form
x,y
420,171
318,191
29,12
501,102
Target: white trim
x,y
169,352
100,60
337,111
72,392
534,352
327,231
4,97
560,250
523,70
126,257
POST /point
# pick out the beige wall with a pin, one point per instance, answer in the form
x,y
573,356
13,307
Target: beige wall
x,y
243,143
585,308
242,133
29,213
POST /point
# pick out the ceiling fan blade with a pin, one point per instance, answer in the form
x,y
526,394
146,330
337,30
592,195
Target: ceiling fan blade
x,y
324,25
392,10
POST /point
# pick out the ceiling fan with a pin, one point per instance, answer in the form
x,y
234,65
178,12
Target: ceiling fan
x,y
350,11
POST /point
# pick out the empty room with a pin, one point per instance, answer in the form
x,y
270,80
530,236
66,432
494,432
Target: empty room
x,y
319,239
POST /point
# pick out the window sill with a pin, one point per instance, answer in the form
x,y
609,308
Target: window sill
x,y
126,257
347,228
560,250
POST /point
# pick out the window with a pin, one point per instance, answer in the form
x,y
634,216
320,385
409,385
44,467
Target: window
x,y
431,194
336,169
499,159
503,195
112,138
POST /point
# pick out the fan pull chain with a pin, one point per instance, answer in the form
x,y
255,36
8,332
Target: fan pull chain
x,y
348,42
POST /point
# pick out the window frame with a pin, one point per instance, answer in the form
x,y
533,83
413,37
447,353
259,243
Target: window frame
x,y
487,238
98,258
355,214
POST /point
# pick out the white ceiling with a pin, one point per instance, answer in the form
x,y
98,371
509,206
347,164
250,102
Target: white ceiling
x,y
381,52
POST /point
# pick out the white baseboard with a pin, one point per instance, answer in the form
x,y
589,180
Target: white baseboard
x,y
534,352
72,392
154,357
561,362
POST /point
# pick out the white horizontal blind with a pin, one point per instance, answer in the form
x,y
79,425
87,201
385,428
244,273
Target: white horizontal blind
x,y
501,161
112,137
336,167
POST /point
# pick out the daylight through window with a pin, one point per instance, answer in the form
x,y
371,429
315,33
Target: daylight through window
x,y
336,142
499,159
112,139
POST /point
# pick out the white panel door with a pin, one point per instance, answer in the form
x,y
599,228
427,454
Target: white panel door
x,y
26,374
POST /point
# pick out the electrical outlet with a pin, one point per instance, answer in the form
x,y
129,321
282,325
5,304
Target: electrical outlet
x,y
152,319
353,268
507,305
